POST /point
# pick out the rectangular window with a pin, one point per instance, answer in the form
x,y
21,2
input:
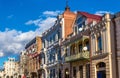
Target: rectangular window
x,y
53,73
99,43
58,34
54,38
59,54
87,70
80,47
81,71
74,72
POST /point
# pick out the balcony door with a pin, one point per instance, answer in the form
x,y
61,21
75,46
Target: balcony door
x,y
101,70
81,71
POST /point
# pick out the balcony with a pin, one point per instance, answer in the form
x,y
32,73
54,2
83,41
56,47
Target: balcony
x,y
79,56
99,54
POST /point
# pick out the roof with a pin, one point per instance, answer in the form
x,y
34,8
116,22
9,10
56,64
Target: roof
x,y
90,15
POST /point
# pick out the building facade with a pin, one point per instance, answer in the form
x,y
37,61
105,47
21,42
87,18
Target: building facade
x,y
117,41
103,59
23,64
2,74
11,68
33,59
77,47
67,22
51,54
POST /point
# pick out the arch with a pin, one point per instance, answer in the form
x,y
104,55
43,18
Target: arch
x,y
66,73
7,76
80,46
60,73
43,73
43,57
86,43
100,64
72,51
101,70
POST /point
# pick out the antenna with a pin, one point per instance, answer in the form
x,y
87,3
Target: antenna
x,y
67,7
66,3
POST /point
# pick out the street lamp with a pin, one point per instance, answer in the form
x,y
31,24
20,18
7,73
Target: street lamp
x,y
67,74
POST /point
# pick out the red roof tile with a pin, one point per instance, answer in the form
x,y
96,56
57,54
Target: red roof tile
x,y
90,15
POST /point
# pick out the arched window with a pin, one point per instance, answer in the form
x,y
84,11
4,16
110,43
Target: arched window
x,y
101,70
100,65
80,46
43,58
66,73
86,42
72,49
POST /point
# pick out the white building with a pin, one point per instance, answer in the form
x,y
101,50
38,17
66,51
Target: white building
x,y
11,68
1,73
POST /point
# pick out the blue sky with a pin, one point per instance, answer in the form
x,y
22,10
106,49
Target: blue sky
x,y
21,20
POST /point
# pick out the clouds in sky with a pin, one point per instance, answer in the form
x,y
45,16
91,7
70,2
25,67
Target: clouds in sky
x,y
13,41
52,13
10,16
101,13
47,22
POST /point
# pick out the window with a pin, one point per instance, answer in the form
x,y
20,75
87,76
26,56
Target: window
x,y
101,73
59,55
54,38
81,71
43,44
53,73
80,47
53,57
87,44
72,49
74,72
58,34
50,40
79,20
99,43
88,71
50,56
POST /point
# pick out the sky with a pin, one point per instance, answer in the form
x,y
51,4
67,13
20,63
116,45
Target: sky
x,y
22,20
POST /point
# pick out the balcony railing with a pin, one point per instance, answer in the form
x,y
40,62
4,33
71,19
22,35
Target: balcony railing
x,y
79,56
99,54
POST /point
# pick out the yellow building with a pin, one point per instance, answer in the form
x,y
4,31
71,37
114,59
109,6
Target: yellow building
x,y
103,60
33,61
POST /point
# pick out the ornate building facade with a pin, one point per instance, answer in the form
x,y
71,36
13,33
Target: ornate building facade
x,y
51,54
33,49
78,45
11,68
23,64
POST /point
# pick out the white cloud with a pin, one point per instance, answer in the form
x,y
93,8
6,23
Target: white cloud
x,y
44,21
35,22
51,13
1,53
10,16
12,41
101,13
43,24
